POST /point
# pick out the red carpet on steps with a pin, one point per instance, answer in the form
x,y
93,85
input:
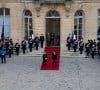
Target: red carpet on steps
x,y
49,64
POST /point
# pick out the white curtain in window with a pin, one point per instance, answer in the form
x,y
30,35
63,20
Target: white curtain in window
x,y
7,26
1,24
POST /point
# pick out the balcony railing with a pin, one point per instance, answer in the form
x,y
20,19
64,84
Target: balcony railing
x,y
52,0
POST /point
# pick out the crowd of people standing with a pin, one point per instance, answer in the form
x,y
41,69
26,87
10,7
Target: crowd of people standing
x,y
10,47
91,47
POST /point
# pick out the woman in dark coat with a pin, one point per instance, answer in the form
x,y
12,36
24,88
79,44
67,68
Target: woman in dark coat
x,y
54,58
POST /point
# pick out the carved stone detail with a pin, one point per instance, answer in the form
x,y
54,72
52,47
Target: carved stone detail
x,y
28,5
68,8
53,6
80,5
38,8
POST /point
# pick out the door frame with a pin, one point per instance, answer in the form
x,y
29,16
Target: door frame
x,y
46,28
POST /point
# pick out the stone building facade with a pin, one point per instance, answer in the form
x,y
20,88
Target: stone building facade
x,y
74,15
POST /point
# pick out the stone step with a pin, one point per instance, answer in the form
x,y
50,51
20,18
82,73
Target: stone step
x,y
63,54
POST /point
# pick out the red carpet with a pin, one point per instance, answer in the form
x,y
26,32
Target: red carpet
x,y
49,64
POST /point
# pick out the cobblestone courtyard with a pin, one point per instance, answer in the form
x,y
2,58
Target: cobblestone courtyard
x,y
23,73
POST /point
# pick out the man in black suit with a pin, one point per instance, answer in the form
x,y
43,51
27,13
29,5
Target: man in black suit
x,y
44,59
54,58
42,40
52,37
37,43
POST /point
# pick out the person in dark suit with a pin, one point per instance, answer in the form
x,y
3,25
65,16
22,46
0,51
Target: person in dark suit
x,y
98,48
36,37
52,37
44,59
93,51
87,46
81,46
54,58
42,40
17,47
75,45
58,39
37,43
68,42
11,41
48,39
23,44
10,50
30,42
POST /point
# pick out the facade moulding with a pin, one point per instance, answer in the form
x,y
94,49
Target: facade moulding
x,y
37,6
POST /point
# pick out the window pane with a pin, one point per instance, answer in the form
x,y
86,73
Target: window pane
x,y
26,26
7,11
99,21
28,13
7,31
80,20
98,12
1,11
30,20
79,13
80,26
52,13
26,20
7,20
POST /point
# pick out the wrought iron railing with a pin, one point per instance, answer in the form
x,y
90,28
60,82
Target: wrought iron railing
x,y
52,0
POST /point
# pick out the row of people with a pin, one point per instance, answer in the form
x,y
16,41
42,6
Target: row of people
x,y
9,45
52,39
91,47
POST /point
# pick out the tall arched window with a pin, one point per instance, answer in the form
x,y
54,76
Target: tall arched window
x,y
28,24
79,24
5,22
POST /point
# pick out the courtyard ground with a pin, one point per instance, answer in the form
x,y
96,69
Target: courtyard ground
x,y
23,73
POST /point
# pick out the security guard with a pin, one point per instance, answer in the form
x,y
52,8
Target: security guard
x,y
75,45
87,47
81,46
23,44
93,51
10,50
17,47
30,42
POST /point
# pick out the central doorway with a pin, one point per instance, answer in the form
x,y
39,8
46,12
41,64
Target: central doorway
x,y
53,28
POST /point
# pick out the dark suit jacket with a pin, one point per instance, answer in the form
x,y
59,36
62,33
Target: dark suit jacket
x,y
54,57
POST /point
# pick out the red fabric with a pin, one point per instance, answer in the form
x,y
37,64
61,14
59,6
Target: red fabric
x,y
33,40
49,64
